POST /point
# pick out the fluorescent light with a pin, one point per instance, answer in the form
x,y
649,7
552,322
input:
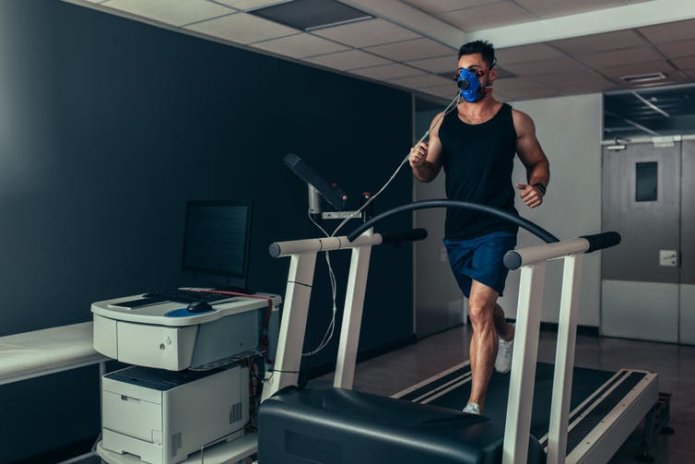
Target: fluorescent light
x,y
644,78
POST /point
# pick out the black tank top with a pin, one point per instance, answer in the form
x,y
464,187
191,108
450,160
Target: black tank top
x,y
478,160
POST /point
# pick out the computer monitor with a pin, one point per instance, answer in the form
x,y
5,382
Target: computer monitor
x,y
216,243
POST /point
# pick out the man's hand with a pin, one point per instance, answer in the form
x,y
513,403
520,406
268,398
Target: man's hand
x,y
531,195
418,155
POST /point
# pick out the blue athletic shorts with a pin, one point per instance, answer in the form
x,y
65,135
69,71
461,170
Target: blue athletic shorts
x,y
480,259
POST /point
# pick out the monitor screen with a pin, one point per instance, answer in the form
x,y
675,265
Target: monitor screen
x,y
216,238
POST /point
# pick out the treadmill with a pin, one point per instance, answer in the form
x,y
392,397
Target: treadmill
x,y
539,413
597,404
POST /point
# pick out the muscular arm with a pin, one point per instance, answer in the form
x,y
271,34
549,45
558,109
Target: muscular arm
x,y
426,158
531,155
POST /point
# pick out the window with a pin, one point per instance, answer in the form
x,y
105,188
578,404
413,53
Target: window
x,y
646,181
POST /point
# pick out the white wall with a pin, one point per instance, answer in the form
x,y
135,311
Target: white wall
x,y
569,129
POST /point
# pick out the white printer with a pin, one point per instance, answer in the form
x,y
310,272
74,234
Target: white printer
x,y
170,404
167,336
163,416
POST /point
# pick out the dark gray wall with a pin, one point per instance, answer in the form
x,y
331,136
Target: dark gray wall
x,y
107,128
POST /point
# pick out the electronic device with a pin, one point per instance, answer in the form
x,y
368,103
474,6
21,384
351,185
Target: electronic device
x,y
199,307
162,417
168,336
216,241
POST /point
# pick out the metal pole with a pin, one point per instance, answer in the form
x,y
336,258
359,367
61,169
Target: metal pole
x,y
564,360
523,375
293,325
352,317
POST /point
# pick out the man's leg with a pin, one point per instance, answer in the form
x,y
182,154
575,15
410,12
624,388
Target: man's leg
x,y
481,310
505,348
504,330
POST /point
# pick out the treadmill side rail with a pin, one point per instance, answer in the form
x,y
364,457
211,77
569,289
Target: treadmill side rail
x,y
601,443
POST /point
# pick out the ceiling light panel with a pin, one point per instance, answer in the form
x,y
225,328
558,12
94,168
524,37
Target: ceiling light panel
x,y
600,42
488,16
642,78
300,46
367,33
351,59
311,14
242,28
412,50
174,12
388,71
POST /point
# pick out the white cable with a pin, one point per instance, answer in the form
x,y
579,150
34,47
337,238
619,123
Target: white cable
x,y
328,335
355,214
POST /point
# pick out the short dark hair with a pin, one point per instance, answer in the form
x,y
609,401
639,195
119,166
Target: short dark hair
x,y
483,47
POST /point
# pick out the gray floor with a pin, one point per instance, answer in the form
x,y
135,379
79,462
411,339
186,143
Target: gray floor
x,y
392,372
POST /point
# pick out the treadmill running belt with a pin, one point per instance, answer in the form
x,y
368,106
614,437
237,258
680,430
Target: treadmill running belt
x,y
584,383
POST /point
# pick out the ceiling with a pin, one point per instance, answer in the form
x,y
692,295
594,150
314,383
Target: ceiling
x,y
655,112
545,48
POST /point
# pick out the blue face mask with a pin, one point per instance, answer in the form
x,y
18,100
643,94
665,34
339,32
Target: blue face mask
x,y
469,86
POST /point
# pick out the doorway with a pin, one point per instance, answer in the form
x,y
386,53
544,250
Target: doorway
x,y
648,282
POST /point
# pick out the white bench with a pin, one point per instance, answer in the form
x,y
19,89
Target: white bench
x,y
42,352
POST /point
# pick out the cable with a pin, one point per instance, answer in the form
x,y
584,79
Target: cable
x,y
446,111
330,330
328,335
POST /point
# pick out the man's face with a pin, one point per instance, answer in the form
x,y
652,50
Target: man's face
x,y
477,64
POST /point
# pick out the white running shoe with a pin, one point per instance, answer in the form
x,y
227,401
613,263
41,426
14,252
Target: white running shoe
x,y
503,362
472,408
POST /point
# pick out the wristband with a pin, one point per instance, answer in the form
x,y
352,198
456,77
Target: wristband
x,y
540,187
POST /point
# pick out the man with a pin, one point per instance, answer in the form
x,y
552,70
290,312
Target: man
x,y
475,143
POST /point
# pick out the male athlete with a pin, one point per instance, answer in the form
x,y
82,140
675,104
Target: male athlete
x,y
476,143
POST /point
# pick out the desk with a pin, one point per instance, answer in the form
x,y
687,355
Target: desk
x,y
43,352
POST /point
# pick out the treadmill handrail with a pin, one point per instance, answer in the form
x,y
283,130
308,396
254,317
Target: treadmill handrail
x,y
316,245
514,259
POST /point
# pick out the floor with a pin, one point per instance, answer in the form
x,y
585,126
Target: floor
x,y
392,372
